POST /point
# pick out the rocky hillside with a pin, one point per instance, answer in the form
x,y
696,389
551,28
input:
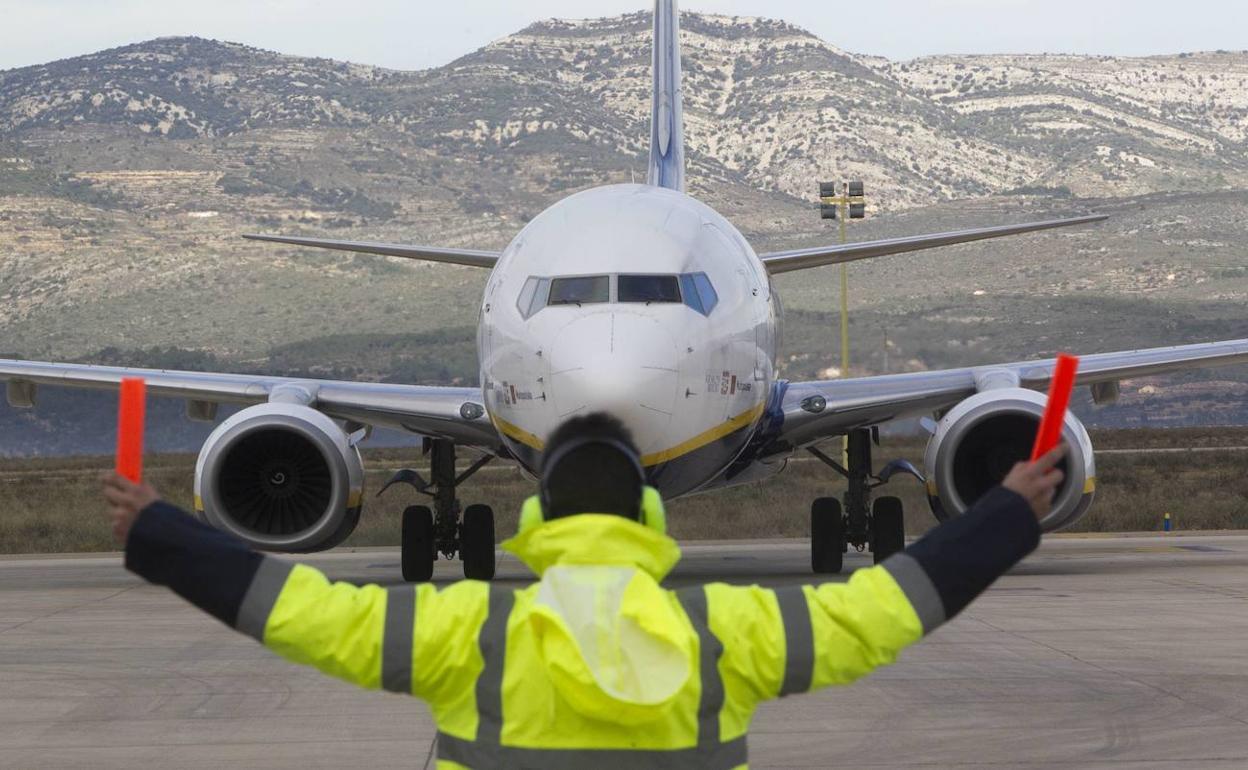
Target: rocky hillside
x,y
769,105
1108,125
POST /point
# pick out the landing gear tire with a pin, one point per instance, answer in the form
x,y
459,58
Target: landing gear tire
x,y
888,528
417,547
827,536
476,537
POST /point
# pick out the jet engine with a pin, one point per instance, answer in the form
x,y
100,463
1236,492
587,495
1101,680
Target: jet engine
x,y
283,477
977,442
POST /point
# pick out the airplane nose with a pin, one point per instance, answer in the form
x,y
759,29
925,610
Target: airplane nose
x,y
621,363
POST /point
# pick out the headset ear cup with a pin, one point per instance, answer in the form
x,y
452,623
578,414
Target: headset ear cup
x,y
531,514
653,514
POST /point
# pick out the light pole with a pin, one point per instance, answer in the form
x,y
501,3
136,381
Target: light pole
x,y
843,201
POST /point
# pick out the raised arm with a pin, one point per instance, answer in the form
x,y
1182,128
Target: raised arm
x,y
365,635
799,638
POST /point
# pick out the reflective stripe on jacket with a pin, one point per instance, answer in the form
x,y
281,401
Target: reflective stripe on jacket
x,y
595,665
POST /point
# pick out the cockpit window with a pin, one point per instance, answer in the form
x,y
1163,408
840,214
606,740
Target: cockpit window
x,y
526,297
533,296
691,293
579,290
698,292
694,289
648,288
706,292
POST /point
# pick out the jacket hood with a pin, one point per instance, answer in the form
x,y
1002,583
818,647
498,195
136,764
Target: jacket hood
x,y
595,539
614,642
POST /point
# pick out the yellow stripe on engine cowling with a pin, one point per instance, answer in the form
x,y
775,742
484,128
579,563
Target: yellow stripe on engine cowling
x,y
199,504
1089,486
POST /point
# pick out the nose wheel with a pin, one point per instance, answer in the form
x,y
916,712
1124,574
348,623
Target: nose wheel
x,y
428,531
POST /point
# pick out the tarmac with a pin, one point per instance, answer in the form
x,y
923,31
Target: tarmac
x,y
1122,652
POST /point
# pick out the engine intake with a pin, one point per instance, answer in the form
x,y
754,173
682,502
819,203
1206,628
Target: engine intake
x,y
283,477
981,438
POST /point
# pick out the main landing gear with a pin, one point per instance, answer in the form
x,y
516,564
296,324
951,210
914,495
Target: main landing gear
x,y
429,531
858,521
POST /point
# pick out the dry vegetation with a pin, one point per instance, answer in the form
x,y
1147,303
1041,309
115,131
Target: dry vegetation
x,y
51,505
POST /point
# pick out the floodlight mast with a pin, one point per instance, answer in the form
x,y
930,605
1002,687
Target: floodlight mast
x,y
843,201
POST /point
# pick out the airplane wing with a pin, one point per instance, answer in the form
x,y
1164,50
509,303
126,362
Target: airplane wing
x,y
801,259
469,257
864,401
453,413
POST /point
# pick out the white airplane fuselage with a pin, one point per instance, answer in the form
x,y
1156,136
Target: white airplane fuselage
x,y
690,383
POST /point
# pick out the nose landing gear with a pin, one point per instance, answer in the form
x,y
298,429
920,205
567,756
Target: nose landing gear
x,y
857,521
426,531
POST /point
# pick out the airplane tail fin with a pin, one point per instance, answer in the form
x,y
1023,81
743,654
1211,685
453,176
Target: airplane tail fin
x,y
667,126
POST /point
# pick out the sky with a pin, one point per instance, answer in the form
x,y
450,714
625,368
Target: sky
x,y
415,34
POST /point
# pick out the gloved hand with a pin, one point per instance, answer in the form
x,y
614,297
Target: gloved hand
x,y
125,500
1038,481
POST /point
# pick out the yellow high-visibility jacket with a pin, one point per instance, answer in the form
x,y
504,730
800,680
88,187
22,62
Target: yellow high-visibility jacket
x,y
596,662
596,665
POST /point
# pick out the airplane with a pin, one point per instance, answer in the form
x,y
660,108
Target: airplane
x,y
638,300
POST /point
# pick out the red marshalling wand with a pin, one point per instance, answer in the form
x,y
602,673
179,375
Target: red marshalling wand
x,y
1060,386
130,416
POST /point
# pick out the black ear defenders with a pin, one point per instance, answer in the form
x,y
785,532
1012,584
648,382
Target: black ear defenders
x,y
651,512
552,461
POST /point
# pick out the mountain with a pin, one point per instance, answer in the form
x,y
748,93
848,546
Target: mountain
x,y
127,175
768,103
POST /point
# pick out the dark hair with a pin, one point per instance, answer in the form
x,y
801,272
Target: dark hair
x,y
594,476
